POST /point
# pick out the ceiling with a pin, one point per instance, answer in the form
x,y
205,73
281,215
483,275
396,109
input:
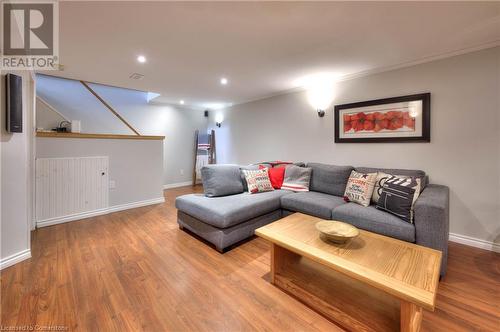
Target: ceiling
x,y
261,47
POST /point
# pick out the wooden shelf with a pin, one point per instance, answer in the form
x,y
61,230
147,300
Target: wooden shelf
x,y
98,136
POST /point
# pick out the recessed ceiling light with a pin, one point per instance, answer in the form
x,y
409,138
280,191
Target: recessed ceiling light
x,y
181,102
141,58
223,81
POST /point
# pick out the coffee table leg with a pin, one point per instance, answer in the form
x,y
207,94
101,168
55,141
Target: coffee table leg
x,y
279,258
411,317
276,261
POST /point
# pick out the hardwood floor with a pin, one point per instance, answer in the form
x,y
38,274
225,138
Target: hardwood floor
x,y
135,270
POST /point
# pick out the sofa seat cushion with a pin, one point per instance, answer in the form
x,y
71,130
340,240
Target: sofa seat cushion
x,y
373,220
312,202
227,211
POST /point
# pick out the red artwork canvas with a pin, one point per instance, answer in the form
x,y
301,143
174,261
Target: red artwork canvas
x,y
403,118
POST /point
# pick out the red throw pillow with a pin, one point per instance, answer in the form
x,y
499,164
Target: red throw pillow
x,y
276,175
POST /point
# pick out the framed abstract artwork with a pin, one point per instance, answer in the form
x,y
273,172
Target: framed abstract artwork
x,y
398,119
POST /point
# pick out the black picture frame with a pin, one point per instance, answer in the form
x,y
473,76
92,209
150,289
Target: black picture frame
x,y
425,98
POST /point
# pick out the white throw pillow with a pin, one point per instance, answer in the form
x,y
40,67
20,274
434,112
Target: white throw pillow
x,y
258,180
359,187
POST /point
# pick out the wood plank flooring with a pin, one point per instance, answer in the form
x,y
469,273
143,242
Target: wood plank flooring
x,y
136,271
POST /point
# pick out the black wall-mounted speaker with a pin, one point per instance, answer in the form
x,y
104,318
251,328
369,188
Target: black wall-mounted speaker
x,y
206,113
14,97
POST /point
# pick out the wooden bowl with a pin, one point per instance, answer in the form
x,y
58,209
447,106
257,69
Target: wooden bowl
x,y
336,231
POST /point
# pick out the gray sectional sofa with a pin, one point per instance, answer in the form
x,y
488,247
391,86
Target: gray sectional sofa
x,y
227,220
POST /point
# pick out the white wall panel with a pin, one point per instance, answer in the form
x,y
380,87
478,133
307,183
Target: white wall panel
x,y
67,186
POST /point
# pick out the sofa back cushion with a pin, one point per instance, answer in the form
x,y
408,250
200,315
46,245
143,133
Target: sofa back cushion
x,y
396,171
329,179
221,180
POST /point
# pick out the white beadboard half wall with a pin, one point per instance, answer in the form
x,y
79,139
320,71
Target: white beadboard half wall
x,y
70,186
133,177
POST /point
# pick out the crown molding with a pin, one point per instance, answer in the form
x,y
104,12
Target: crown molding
x,y
383,69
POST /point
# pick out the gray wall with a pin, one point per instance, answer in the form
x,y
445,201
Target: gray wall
x,y
464,151
47,118
15,177
179,143
177,123
134,165
75,102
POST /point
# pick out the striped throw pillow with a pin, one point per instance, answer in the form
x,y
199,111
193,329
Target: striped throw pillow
x,y
297,178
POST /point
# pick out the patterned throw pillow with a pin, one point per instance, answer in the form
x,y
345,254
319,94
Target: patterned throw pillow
x,y
398,196
257,180
359,188
297,178
379,184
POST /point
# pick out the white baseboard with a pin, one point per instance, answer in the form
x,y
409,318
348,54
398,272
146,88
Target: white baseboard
x,y
88,214
16,258
134,205
71,217
474,242
177,185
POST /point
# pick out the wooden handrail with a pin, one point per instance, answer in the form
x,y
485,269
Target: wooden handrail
x,y
99,136
109,107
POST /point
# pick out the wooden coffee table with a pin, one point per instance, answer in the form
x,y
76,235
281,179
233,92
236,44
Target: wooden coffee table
x,y
372,283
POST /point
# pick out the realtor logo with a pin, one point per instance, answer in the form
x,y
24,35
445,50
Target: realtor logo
x,y
30,35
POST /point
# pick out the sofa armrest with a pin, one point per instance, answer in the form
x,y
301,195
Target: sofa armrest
x,y
431,219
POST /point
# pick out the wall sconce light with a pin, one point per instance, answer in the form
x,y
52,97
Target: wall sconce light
x,y
320,97
320,91
218,120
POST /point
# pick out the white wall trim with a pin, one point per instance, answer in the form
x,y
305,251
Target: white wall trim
x,y
474,242
14,259
177,185
134,205
88,214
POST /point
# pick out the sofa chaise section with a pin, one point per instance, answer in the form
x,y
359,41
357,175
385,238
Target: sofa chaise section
x,y
223,238
226,220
